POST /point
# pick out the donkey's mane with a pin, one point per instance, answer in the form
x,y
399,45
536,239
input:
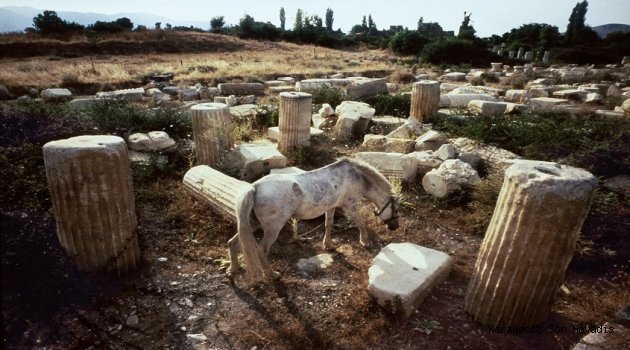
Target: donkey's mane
x,y
371,173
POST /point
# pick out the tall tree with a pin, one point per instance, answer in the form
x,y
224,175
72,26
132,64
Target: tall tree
x,y
371,24
364,24
283,19
49,23
216,24
576,25
298,20
329,19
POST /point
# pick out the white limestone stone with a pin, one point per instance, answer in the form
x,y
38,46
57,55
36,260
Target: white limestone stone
x,y
454,76
133,95
381,143
403,274
367,87
450,177
353,118
397,165
270,83
478,89
487,107
151,142
493,157
571,94
52,95
462,100
426,160
246,111
546,102
287,80
326,110
592,97
280,89
273,133
430,141
446,151
256,159
409,129
188,95
314,84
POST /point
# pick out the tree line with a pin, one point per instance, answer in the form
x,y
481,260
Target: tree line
x,y
579,44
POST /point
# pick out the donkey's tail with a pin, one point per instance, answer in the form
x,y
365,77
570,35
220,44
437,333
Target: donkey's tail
x,y
244,206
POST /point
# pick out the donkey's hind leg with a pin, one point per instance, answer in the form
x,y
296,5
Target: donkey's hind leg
x,y
271,234
235,246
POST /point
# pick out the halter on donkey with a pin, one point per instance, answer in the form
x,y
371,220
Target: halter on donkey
x,y
274,199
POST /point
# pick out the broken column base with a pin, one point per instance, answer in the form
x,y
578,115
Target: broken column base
x,y
402,275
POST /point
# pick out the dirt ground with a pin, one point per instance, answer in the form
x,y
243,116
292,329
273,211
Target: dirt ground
x,y
179,298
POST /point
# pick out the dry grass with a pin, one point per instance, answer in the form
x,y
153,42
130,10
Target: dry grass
x,y
237,58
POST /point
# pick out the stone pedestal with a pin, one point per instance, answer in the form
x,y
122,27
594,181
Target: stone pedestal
x,y
546,57
93,202
521,53
212,131
215,188
497,67
425,100
529,243
294,120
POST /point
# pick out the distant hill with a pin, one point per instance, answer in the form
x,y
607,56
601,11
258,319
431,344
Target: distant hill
x,y
606,29
16,18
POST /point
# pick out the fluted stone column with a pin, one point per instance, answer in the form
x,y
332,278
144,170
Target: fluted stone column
x,y
529,243
213,131
92,197
294,120
215,188
425,100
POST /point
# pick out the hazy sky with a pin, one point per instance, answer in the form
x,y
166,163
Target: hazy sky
x,y
488,16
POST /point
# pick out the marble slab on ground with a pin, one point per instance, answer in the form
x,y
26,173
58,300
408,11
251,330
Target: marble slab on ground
x,y
402,275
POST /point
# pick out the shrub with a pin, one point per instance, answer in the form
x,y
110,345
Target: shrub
x,y
399,77
397,105
123,118
266,116
332,96
316,155
547,136
408,42
456,51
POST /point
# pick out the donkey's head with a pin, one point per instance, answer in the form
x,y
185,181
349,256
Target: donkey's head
x,y
389,213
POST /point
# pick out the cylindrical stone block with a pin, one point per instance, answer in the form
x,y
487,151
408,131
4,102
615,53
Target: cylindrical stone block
x,y
529,243
294,121
213,131
215,188
92,196
425,100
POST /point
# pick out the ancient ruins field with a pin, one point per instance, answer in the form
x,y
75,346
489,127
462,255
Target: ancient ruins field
x,y
179,297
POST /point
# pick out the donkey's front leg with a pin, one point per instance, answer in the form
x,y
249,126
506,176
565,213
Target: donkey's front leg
x,y
360,222
330,216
